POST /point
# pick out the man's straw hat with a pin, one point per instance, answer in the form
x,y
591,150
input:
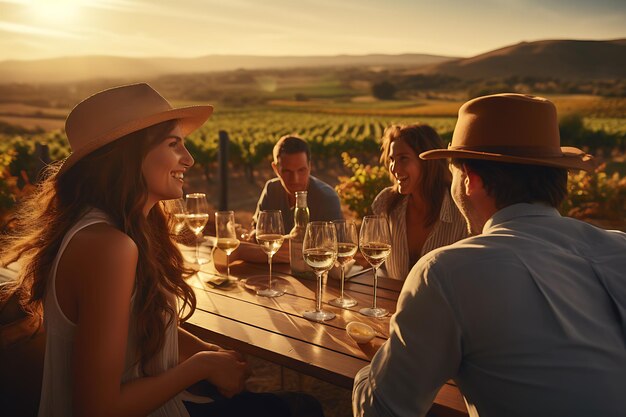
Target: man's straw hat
x,y
513,128
111,114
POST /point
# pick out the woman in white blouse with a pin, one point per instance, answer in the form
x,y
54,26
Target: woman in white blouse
x,y
418,206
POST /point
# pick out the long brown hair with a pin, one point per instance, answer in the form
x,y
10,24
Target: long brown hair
x,y
109,179
435,177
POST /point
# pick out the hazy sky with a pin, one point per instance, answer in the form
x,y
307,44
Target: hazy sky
x,y
32,29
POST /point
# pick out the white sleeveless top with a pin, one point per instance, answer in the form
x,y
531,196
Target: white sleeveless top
x,y
56,388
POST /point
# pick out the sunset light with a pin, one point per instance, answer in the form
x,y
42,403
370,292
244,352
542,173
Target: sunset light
x,y
192,28
62,11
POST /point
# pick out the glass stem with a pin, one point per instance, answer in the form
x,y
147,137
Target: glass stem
x,y
375,287
343,276
198,249
318,294
269,261
227,267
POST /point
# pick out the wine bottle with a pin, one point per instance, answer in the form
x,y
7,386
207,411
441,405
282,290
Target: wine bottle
x,y
299,268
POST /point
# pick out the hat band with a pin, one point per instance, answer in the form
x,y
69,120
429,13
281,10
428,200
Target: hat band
x,y
523,151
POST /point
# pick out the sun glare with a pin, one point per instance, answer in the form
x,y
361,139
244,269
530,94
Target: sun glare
x,y
56,10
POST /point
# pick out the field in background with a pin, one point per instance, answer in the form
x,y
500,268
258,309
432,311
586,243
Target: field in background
x,y
599,112
331,127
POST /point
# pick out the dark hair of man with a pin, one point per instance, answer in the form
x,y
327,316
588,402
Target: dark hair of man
x,y
290,145
510,183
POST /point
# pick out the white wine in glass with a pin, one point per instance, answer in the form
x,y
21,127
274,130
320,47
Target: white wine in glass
x,y
197,216
347,245
176,210
375,244
270,235
226,235
319,250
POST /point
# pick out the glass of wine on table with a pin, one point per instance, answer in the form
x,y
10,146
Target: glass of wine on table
x,y
319,249
270,235
375,245
197,216
347,245
226,235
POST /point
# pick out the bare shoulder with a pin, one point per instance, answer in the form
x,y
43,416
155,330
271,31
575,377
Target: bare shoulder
x,y
103,242
99,250
99,263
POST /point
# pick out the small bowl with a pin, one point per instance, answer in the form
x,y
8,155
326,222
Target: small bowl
x,y
360,332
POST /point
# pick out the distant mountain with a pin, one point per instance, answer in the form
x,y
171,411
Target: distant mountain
x,y
96,67
561,59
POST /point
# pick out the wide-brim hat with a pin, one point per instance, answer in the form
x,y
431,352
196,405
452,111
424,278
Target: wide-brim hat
x,y
114,113
513,128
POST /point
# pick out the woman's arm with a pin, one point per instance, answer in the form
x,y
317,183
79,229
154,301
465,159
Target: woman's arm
x,y
188,345
102,264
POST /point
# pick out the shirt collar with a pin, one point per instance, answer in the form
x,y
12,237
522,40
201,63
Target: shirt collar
x,y
519,210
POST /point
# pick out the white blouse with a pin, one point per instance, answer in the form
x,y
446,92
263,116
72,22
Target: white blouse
x,y
56,389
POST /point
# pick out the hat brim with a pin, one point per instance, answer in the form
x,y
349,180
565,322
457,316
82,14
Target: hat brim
x,y
571,158
190,118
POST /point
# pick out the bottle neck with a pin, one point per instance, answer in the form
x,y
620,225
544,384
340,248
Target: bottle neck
x,y
301,197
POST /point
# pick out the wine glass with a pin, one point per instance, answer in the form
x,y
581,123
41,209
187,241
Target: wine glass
x,y
176,210
226,235
269,234
197,216
319,249
375,244
347,245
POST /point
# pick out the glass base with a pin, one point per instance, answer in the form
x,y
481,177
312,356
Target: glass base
x,y
318,315
344,302
260,285
270,292
373,312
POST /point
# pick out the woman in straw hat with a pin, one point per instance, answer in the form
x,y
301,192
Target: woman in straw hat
x,y
421,214
97,256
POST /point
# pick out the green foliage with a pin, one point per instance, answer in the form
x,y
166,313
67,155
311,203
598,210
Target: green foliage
x,y
596,195
383,90
359,190
574,132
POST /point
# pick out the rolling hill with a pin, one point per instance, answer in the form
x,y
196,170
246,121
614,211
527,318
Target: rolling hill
x,y
560,59
68,69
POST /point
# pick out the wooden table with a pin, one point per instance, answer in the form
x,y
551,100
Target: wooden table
x,y
273,328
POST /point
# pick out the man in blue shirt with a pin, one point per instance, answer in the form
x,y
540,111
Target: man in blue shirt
x,y
529,315
292,166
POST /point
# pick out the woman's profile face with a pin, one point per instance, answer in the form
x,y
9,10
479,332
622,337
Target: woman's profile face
x,y
164,168
404,166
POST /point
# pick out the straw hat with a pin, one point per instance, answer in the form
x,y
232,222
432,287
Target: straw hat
x,y
513,128
111,114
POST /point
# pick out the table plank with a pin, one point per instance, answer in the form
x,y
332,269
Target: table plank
x,y
273,328
325,364
290,325
295,304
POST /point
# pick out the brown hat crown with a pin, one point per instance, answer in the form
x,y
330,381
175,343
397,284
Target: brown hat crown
x,y
512,128
111,114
